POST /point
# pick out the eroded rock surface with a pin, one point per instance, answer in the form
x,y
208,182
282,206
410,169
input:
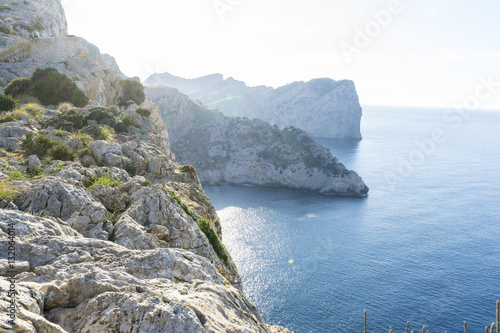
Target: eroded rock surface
x,y
126,255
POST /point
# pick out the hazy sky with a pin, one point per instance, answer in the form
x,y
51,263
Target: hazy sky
x,y
398,52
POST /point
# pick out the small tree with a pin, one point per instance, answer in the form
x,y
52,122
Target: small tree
x,y
49,87
131,91
18,88
52,87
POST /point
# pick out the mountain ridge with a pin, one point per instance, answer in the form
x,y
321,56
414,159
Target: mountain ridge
x,y
322,107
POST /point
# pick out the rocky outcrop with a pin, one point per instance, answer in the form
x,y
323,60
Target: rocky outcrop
x,y
76,284
230,150
115,236
27,19
126,255
321,107
37,38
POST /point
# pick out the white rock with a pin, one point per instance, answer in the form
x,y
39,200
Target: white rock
x,y
100,148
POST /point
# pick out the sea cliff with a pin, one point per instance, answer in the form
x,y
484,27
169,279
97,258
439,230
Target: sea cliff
x,y
234,150
322,107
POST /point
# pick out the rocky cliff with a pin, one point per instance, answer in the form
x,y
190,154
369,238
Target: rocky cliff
x,y
100,229
321,107
114,238
233,150
33,34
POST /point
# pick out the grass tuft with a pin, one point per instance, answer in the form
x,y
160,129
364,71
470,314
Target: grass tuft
x,y
105,180
6,190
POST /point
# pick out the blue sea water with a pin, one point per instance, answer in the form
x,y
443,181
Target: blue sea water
x,y
423,246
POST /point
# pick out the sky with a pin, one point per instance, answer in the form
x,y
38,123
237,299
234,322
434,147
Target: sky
x,y
443,53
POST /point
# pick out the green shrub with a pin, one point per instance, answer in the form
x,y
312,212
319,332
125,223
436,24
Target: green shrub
x,y
114,109
105,180
47,159
49,87
86,139
60,152
105,133
143,112
83,152
106,116
121,127
35,171
103,116
204,226
7,118
6,190
188,168
127,121
131,91
34,111
69,121
39,145
44,146
52,87
213,239
97,132
130,167
58,167
18,88
7,102
17,175
59,132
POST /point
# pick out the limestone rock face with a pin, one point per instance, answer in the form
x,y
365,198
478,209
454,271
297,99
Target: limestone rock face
x,y
127,257
96,74
78,284
230,150
11,133
38,39
71,203
43,18
100,149
321,107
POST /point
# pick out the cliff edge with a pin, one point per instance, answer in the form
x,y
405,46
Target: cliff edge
x,y
109,233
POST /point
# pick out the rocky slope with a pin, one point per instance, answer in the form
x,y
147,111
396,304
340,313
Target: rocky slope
x,y
111,241
107,232
34,34
321,107
233,150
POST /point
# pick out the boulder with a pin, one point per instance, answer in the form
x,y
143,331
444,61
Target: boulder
x,y
100,148
55,197
133,236
34,162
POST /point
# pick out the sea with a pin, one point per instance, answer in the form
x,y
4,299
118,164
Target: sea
x,y
422,247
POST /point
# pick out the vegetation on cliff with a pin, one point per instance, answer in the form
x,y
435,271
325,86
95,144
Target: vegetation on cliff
x,y
47,86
